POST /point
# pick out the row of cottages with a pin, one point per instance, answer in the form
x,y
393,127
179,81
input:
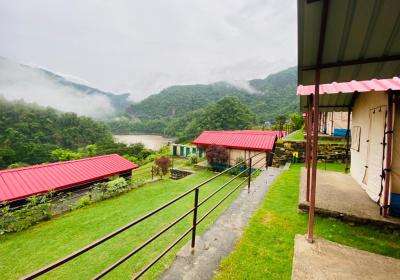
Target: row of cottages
x,y
242,144
20,183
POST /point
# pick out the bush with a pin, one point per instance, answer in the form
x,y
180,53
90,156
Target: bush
x,y
131,158
241,167
83,201
163,164
17,165
193,159
37,208
217,157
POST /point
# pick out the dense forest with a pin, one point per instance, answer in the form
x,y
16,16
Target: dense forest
x,y
30,134
174,109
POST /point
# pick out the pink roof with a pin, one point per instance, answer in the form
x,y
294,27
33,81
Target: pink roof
x,y
353,86
19,183
239,139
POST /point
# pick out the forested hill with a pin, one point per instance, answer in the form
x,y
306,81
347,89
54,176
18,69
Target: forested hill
x,y
29,133
269,97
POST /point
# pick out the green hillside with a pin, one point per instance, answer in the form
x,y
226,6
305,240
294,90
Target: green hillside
x,y
28,132
273,96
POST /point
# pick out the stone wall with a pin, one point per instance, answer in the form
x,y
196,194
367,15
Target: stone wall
x,y
331,152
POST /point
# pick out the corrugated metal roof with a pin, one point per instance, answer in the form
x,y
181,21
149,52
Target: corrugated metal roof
x,y
362,40
240,139
353,86
338,96
19,183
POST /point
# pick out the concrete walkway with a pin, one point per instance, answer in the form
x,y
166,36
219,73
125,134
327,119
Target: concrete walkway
x,y
338,195
328,260
218,241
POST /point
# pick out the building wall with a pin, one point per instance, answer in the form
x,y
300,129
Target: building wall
x,y
335,120
396,151
362,117
259,160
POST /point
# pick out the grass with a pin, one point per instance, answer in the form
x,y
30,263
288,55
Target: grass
x,y
24,252
144,171
265,250
332,166
297,135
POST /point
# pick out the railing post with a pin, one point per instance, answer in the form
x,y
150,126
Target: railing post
x,y
249,176
196,203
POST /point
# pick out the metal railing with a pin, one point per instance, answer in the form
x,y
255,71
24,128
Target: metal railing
x,y
196,221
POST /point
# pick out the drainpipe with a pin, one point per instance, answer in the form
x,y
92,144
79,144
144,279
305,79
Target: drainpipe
x,y
388,164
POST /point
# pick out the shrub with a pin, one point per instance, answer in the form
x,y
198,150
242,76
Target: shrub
x,y
83,201
17,165
163,163
193,159
37,208
131,158
217,157
241,167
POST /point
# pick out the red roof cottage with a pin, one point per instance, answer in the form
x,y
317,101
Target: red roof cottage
x,y
20,183
241,143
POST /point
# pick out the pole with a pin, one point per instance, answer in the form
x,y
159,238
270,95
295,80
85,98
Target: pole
x,y
388,164
314,154
196,203
308,147
249,176
321,41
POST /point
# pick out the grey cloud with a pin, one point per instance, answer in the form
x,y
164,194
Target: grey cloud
x,y
144,46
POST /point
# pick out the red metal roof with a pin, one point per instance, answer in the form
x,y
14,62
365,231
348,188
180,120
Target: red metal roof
x,y
353,86
19,183
239,139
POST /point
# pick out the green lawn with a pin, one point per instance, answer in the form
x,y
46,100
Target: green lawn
x,y
266,249
297,135
24,252
332,166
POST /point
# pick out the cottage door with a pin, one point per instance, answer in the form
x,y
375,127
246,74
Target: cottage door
x,y
375,153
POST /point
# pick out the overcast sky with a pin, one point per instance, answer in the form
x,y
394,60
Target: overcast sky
x,y
142,46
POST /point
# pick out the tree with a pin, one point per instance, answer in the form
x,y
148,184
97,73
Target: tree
x,y
279,122
217,157
227,114
296,121
65,154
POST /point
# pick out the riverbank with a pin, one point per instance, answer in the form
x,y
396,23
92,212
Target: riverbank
x,y
150,141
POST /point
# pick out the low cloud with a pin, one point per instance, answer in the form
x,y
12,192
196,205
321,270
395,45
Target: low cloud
x,y
34,85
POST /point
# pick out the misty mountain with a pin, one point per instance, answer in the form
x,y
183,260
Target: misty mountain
x,y
37,85
268,98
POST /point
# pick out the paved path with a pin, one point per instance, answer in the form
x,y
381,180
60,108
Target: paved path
x,y
328,260
218,241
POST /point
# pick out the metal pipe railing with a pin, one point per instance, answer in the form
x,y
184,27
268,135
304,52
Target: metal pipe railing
x,y
192,229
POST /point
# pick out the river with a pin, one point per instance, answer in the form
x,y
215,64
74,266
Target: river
x,y
153,142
